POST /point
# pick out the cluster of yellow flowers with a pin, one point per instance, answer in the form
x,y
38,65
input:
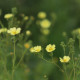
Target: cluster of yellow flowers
x,y
49,48
14,31
44,23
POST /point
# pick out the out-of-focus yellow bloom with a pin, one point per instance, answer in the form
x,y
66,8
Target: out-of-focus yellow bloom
x,y
3,30
76,31
45,23
14,31
22,15
45,31
50,48
26,45
32,17
11,53
41,15
65,59
28,32
7,16
79,30
36,49
64,34
45,76
26,18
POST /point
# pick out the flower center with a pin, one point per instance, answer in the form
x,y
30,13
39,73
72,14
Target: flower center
x,y
14,32
50,48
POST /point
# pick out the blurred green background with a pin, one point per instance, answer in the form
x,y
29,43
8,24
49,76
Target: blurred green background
x,y
67,18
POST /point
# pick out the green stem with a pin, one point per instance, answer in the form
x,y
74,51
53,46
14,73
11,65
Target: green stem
x,y
65,71
74,74
28,24
73,66
79,43
5,69
71,73
14,58
21,59
64,50
53,63
74,78
1,24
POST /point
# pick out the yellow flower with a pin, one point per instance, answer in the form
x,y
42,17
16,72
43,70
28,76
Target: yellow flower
x,y
45,31
41,15
14,31
36,49
27,45
50,48
3,30
32,50
28,32
26,18
45,23
65,59
76,31
7,16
